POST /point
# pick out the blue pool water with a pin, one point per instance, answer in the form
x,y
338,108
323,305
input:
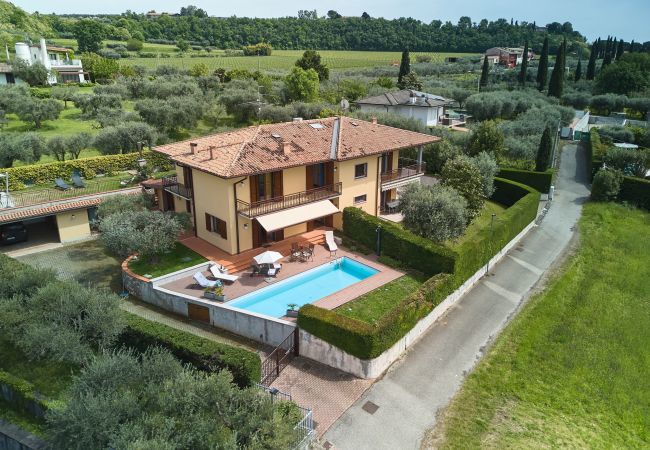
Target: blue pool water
x,y
304,288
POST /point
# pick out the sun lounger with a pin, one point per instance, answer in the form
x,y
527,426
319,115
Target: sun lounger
x,y
77,181
220,273
329,240
60,184
202,281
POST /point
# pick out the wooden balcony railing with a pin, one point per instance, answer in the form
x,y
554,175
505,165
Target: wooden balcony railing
x,y
171,185
263,207
407,168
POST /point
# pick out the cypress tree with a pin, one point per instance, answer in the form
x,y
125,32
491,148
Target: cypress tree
x,y
484,74
578,74
607,60
404,68
524,65
631,50
591,66
544,151
605,51
556,85
542,68
620,49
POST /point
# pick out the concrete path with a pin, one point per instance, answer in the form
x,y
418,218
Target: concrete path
x,y
404,403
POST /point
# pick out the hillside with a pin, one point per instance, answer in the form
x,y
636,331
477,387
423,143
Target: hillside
x,y
17,24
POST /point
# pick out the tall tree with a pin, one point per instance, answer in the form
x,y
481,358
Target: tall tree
x,y
542,68
631,50
404,67
311,60
524,65
556,85
578,73
544,151
607,60
591,66
620,49
89,34
485,72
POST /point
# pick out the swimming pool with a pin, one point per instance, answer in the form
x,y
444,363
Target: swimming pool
x,y
304,288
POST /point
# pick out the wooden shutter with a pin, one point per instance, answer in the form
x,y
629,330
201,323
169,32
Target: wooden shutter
x,y
222,229
253,183
277,184
309,178
329,173
389,166
208,222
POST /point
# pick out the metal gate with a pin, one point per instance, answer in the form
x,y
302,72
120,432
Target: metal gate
x,y
279,358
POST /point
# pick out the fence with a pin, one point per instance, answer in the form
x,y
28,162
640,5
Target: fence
x,y
279,358
305,429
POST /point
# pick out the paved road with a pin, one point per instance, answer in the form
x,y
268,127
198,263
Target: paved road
x,y
424,381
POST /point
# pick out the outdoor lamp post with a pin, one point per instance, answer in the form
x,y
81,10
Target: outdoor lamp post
x,y
6,177
487,271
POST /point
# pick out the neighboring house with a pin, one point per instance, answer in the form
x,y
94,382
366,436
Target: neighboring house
x,y
427,108
256,185
6,74
506,56
56,59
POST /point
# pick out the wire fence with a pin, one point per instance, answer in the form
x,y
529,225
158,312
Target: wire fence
x,y
305,428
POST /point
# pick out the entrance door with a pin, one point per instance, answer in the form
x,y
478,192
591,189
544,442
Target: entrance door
x,y
261,236
199,313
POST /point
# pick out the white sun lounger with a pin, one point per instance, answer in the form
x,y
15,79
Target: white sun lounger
x,y
202,281
220,273
329,240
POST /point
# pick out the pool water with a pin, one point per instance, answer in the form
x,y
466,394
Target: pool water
x,y
304,288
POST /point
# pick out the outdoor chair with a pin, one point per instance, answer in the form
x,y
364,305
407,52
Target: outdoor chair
x,y
296,252
220,273
308,253
60,184
203,281
77,181
329,240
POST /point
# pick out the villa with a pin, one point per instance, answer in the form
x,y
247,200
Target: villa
x,y
251,187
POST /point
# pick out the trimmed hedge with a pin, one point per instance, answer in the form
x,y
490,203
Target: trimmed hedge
x,y
88,167
21,395
423,255
595,153
635,191
537,180
203,354
364,340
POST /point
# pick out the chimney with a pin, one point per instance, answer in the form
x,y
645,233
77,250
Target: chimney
x,y
286,147
45,59
193,147
297,119
212,152
374,120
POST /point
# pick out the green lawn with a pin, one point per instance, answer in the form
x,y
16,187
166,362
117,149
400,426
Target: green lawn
x,y
480,223
179,258
572,369
372,306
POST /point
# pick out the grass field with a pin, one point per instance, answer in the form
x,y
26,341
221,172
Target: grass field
x,y
572,369
179,258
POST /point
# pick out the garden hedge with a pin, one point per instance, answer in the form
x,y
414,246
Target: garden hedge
x,y
595,153
538,180
423,255
21,395
635,191
203,354
88,167
450,269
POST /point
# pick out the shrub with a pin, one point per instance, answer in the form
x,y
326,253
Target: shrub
x,y
487,138
19,279
435,212
203,354
124,138
423,255
261,49
606,185
22,395
541,181
461,174
134,45
487,165
616,133
635,191
632,162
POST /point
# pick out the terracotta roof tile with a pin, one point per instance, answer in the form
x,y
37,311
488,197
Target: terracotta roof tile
x,y
262,148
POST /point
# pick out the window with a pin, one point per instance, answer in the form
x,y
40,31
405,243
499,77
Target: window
x,y
360,199
216,225
361,170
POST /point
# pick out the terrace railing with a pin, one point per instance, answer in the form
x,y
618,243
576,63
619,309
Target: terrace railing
x,y
406,168
171,185
279,358
263,207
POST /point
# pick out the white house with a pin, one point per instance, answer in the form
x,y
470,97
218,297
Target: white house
x,y
56,59
427,108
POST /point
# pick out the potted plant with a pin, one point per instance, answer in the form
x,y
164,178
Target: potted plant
x,y
291,310
214,293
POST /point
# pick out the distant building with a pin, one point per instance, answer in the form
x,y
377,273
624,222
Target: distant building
x,y
427,108
56,59
6,74
507,56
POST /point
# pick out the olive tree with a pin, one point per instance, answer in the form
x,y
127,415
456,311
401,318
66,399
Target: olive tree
x,y
124,138
633,162
487,138
462,174
487,165
435,212
65,93
606,185
26,147
33,74
72,146
36,111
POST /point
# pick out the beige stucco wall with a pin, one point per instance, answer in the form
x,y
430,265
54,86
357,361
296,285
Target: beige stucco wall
x,y
73,225
293,180
352,187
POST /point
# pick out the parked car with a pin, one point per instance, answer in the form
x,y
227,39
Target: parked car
x,y
13,233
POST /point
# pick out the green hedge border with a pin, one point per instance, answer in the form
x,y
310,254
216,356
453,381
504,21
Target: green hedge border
x,y
366,341
22,396
635,191
21,176
541,181
202,353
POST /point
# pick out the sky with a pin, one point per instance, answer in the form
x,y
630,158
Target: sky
x,y
627,19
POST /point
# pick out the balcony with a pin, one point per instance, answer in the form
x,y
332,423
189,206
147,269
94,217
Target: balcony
x,y
66,63
170,184
255,209
409,170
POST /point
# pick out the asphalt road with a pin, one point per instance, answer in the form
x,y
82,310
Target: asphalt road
x,y
425,379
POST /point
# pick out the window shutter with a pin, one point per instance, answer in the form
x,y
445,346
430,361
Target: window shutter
x,y
223,231
208,222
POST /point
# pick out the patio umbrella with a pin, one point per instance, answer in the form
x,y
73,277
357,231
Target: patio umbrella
x,y
268,257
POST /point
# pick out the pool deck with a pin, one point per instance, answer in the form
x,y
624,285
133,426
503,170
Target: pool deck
x,y
246,284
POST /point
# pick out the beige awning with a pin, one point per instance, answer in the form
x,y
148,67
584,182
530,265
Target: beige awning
x,y
299,214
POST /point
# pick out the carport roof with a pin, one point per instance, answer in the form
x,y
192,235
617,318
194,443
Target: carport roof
x,y
32,212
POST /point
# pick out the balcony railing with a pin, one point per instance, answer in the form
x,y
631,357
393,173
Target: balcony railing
x,y
171,185
407,168
66,62
263,207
